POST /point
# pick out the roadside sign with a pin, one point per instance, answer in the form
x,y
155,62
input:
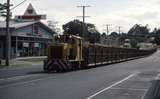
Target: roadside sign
x,y
25,44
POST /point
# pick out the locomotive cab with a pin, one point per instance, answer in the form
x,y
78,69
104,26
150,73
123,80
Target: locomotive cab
x,y
65,54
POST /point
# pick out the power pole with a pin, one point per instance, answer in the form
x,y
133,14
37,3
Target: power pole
x,y
119,32
84,16
107,28
8,36
119,29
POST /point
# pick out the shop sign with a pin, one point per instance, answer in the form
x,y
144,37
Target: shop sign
x,y
25,44
34,34
36,44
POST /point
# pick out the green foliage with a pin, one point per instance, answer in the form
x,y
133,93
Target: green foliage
x,y
122,37
139,30
133,43
156,35
104,35
114,35
137,34
75,27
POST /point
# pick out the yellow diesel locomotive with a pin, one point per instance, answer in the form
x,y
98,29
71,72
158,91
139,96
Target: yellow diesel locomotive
x,y
65,54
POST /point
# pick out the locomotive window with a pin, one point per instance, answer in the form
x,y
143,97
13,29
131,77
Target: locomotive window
x,y
72,55
72,41
79,42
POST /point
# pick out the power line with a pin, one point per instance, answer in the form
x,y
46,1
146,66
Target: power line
x,y
18,4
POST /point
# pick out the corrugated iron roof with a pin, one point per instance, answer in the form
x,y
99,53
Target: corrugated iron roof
x,y
18,24
14,24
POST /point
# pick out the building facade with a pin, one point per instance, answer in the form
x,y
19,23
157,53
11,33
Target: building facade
x,y
29,37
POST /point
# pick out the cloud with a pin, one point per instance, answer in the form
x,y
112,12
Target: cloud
x,y
140,12
124,13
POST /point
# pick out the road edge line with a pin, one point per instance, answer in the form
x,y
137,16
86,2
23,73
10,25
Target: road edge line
x,y
107,88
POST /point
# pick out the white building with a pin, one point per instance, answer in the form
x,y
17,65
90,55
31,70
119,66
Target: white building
x,y
29,36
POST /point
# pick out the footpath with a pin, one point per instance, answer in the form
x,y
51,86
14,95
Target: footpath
x,y
23,62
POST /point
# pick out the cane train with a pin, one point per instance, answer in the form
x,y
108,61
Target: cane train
x,y
70,52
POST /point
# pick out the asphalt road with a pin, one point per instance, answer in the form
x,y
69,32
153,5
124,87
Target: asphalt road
x,y
126,80
20,71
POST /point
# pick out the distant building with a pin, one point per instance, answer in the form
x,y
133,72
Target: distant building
x,y
146,46
108,41
127,43
29,36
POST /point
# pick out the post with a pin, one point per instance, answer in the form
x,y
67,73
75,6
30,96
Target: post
x,y
8,36
16,46
83,21
107,30
83,16
119,31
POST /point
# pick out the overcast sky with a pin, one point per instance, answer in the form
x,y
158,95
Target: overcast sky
x,y
124,13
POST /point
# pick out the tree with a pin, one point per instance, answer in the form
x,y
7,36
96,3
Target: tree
x,y
53,25
122,37
138,33
114,35
104,35
139,30
156,34
75,27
